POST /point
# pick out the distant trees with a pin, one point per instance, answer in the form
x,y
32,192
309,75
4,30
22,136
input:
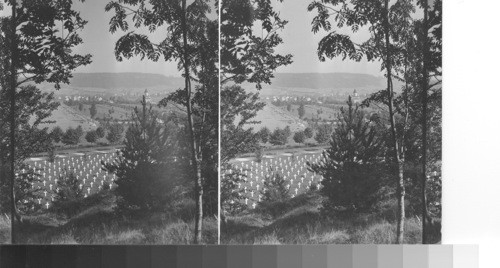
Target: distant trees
x,y
299,137
91,136
93,110
279,136
100,132
56,134
264,134
115,133
301,111
352,167
323,133
72,136
308,133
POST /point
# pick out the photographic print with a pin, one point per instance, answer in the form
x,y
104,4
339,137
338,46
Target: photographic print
x,y
331,122
109,122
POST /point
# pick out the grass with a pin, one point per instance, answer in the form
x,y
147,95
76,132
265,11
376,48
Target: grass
x,y
4,229
302,223
99,223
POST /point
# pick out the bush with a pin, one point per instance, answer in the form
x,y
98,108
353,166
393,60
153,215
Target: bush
x,y
69,196
299,137
91,136
275,194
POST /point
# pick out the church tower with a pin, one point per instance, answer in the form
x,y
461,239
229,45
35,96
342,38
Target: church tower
x,y
146,95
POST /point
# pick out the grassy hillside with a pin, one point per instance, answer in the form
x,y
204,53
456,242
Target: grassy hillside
x,y
300,222
66,117
274,117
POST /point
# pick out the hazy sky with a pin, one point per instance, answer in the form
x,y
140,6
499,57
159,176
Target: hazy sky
x,y
302,43
100,42
297,35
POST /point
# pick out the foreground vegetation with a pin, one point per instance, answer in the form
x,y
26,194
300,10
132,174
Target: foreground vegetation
x,y
99,221
300,222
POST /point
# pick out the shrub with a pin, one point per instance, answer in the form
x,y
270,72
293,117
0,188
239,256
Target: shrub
x,y
69,196
275,194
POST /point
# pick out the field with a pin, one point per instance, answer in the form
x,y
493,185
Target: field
x,y
311,111
66,117
293,167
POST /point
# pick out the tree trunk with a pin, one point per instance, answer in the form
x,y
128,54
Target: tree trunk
x,y
195,156
13,82
399,160
425,83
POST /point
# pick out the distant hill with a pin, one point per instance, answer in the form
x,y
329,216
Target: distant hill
x,y
326,80
123,80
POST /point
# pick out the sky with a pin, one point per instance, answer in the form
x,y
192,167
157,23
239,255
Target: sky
x,y
302,43
99,42
298,39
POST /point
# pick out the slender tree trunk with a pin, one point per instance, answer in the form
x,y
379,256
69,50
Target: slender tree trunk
x,y
195,156
13,82
425,83
396,147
